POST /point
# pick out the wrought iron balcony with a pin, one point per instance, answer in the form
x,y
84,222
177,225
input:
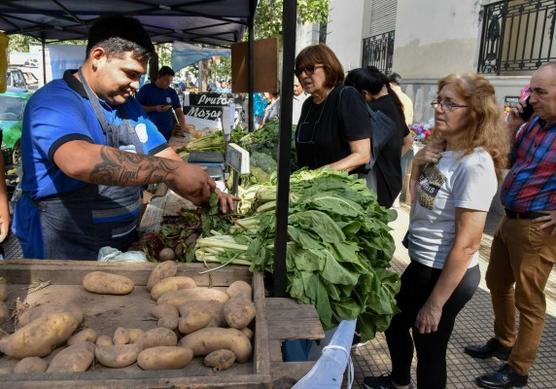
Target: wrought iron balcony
x,y
517,36
378,51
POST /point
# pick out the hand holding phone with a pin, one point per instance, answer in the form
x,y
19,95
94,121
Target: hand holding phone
x,y
527,109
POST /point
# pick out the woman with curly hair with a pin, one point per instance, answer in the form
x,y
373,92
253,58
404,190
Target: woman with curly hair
x,y
454,180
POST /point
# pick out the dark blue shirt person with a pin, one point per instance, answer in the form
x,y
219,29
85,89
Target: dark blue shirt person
x,y
160,101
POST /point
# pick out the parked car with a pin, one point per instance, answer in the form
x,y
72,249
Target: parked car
x,y
31,80
16,79
32,63
12,105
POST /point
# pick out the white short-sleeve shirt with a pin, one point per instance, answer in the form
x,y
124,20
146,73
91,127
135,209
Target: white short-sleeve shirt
x,y
453,182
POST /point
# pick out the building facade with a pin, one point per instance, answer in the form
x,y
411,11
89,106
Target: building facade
x,y
426,40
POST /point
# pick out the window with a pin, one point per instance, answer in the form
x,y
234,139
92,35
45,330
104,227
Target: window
x,y
378,48
517,36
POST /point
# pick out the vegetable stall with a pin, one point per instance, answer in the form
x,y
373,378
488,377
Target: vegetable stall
x,y
318,237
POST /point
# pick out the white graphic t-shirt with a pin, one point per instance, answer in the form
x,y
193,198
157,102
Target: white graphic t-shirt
x,y
453,182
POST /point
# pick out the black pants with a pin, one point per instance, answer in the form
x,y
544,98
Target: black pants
x,y
418,282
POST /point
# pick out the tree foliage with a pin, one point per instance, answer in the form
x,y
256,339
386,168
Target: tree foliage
x,y
20,43
268,19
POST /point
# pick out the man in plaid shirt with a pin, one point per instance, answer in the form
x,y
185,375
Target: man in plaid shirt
x,y
524,247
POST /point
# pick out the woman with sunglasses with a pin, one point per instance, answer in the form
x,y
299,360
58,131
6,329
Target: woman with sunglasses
x,y
333,128
373,85
454,180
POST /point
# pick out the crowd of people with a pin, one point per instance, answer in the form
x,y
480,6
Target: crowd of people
x,y
88,149
454,179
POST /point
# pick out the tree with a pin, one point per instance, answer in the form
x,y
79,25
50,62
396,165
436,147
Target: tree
x,y
268,19
20,43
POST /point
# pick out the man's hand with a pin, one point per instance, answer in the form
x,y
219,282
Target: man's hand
x,y
227,201
191,182
514,119
550,222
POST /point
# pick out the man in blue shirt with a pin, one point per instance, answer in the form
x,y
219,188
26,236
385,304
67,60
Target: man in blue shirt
x,y
88,148
159,99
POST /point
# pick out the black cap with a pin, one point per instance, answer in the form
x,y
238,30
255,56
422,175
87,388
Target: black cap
x,y
116,26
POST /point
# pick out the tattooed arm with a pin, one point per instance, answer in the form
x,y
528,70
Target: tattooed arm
x,y
105,165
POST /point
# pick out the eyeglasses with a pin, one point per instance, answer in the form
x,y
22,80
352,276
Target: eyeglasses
x,y
446,105
309,70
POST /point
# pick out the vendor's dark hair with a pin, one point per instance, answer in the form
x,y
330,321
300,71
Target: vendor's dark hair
x,y
118,34
166,71
372,80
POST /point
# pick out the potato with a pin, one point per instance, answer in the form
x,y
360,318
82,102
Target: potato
x,y
40,337
207,340
107,283
164,357
194,321
31,365
158,337
162,270
3,289
170,284
167,316
212,307
247,332
120,355
73,359
240,288
85,335
4,312
34,313
239,312
121,336
220,359
182,296
104,340
166,254
135,334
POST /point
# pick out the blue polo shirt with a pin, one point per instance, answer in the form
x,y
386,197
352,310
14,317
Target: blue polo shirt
x,y
58,113
150,94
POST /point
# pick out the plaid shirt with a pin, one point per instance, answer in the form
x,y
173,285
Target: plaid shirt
x,y
531,183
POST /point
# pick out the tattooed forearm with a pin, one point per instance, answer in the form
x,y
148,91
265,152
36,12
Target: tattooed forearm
x,y
122,168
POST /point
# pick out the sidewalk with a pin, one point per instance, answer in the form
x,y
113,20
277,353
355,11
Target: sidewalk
x,y
473,325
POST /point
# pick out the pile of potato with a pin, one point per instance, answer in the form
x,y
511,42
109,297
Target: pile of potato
x,y
214,323
211,323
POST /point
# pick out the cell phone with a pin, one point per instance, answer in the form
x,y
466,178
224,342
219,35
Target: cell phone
x,y
527,110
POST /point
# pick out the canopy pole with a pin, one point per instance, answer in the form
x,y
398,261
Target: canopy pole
x,y
289,22
251,64
43,44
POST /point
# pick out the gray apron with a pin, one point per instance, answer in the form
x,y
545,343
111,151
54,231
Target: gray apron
x,y
76,225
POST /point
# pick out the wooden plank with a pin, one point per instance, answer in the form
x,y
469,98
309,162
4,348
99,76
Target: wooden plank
x,y
275,349
105,313
261,349
68,272
80,380
286,374
290,320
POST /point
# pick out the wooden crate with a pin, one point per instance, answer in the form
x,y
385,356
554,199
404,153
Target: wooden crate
x,y
61,282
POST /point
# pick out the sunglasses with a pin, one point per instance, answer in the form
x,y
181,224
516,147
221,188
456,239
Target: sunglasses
x,y
309,70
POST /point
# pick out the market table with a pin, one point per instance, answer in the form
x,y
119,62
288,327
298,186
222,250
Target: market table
x,y
50,281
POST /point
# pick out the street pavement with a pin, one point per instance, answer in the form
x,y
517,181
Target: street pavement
x,y
474,325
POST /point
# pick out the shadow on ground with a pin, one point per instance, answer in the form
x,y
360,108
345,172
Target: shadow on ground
x,y
473,326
